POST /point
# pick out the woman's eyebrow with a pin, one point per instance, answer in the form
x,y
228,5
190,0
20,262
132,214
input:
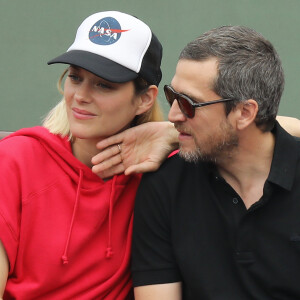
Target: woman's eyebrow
x,y
75,67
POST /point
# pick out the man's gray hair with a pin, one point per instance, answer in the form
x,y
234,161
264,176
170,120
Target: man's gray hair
x,y
248,68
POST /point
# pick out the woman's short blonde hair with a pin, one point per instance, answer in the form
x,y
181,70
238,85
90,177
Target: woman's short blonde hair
x,y
57,122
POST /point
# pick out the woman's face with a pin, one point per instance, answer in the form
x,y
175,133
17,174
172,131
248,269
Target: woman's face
x,y
97,108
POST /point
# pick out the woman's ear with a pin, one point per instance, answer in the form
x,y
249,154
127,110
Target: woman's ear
x,y
245,113
147,99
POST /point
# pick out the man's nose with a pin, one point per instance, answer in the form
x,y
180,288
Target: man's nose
x,y
175,113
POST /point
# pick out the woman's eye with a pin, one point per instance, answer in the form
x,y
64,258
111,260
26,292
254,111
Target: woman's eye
x,y
73,77
104,86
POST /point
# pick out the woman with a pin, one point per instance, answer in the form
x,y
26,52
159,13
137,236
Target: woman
x,y
65,232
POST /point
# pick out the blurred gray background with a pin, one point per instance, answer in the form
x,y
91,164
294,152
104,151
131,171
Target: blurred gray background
x,y
35,31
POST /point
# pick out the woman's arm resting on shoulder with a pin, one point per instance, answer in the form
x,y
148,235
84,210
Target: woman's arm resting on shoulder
x,y
3,269
145,147
291,125
142,149
166,291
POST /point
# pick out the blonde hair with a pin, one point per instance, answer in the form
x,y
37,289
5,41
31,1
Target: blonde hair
x,y
57,121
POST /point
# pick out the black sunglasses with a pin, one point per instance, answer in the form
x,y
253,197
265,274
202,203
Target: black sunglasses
x,y
186,104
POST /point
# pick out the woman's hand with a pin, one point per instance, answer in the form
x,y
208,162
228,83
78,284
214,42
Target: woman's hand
x,y
138,149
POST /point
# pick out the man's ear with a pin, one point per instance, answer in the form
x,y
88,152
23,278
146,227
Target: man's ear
x,y
245,113
147,99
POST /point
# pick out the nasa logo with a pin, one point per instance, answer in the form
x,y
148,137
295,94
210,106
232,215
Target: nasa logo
x,y
106,31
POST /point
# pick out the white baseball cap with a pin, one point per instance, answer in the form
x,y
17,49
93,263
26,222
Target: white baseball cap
x,y
115,46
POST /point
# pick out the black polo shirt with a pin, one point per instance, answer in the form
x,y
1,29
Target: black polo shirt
x,y
191,226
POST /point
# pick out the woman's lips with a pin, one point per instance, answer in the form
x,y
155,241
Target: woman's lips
x,y
82,114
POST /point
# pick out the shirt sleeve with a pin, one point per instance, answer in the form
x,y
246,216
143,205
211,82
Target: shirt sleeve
x,y
153,260
10,202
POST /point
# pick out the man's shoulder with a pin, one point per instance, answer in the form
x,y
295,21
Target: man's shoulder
x,y
297,139
176,162
176,169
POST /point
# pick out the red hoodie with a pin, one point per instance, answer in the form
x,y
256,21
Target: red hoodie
x,y
67,233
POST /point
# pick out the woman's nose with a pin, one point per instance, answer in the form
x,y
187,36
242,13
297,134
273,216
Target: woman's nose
x,y
83,93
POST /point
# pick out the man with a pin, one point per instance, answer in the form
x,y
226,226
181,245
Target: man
x,y
228,225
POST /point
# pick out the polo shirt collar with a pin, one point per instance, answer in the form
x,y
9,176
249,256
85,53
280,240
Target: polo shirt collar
x,y
285,159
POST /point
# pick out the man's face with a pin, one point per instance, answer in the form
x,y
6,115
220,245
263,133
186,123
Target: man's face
x,y
209,135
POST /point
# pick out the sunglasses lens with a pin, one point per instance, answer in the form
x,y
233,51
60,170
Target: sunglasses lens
x,y
170,96
186,107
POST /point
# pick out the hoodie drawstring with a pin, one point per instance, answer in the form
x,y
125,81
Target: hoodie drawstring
x,y
109,251
65,255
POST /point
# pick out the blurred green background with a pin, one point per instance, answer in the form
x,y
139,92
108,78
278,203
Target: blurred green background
x,y
35,31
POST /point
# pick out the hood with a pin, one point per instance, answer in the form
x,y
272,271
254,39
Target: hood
x,y
60,150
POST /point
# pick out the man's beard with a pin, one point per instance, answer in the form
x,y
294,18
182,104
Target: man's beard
x,y
217,146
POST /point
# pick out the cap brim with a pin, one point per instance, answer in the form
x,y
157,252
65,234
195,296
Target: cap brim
x,y
96,64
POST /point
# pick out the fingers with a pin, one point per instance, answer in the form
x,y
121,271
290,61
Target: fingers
x,y
107,164
142,168
106,154
108,173
112,140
